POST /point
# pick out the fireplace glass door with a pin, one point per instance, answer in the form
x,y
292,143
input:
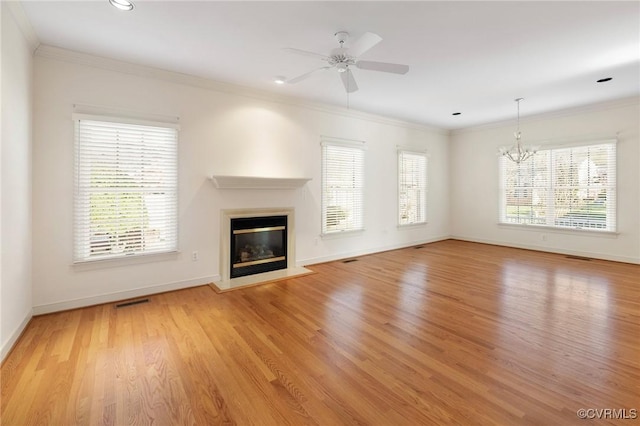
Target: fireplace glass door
x,y
258,244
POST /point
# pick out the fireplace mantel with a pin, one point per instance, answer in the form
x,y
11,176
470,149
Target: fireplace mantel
x,y
257,182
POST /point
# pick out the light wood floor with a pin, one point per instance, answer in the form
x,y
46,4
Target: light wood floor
x,y
450,333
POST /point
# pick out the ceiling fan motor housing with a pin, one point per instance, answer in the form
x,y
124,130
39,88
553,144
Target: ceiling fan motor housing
x,y
340,59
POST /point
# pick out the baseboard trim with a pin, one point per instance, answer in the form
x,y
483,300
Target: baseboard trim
x,y
601,256
7,346
121,295
346,255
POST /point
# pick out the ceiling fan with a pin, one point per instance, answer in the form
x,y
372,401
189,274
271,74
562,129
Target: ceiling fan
x,y
343,58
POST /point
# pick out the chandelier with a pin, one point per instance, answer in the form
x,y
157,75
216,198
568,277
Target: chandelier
x,y
518,153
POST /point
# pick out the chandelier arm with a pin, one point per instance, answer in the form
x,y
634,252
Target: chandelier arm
x,y
509,156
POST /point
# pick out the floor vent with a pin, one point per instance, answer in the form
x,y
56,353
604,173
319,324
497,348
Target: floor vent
x,y
418,247
349,260
132,302
578,258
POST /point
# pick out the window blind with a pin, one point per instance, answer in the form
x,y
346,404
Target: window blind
x,y
412,187
572,187
125,189
342,187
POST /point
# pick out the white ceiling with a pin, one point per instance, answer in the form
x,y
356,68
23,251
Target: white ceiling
x,y
469,57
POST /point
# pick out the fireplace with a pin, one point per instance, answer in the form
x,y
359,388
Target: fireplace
x,y
258,244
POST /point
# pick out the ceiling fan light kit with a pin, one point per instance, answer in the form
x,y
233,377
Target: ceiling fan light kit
x,y
343,58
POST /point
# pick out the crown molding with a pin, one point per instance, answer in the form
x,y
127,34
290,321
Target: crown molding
x,y
567,112
16,10
65,55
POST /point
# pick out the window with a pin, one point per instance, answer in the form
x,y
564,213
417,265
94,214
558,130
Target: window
x,y
125,188
342,186
412,187
570,187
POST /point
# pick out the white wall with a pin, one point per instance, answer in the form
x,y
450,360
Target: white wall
x,y
223,131
474,181
15,178
227,130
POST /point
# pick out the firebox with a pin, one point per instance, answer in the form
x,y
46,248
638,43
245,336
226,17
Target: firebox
x,y
258,244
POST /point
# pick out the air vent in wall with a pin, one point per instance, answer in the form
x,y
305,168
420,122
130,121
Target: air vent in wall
x,y
349,260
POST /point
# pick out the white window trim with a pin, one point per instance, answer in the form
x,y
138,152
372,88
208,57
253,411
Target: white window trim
x,y
561,229
124,120
128,258
347,143
422,153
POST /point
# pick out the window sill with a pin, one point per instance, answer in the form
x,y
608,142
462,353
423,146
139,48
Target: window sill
x,y
412,225
89,265
341,234
557,230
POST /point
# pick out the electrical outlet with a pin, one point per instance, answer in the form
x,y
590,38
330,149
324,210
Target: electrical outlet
x,y
194,256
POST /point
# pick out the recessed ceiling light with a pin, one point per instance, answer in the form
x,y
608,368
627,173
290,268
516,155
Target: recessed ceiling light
x,y
603,80
456,113
279,79
122,4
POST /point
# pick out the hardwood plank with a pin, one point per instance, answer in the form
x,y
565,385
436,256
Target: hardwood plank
x,y
449,333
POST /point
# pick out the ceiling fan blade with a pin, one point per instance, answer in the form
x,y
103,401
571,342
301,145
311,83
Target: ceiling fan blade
x,y
383,66
364,43
349,82
305,75
306,53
